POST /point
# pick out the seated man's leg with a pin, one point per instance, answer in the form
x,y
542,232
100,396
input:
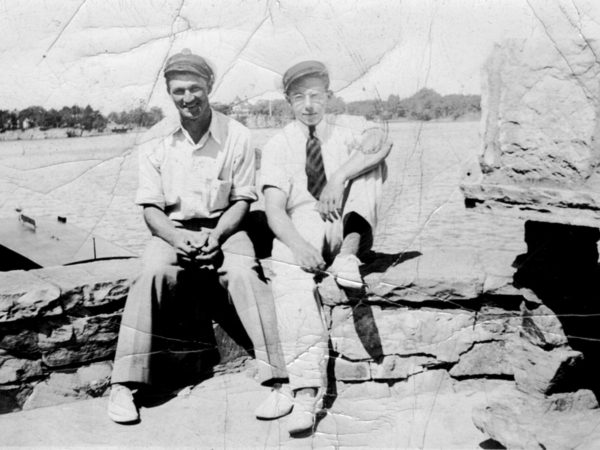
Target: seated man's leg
x,y
253,300
301,326
134,348
359,219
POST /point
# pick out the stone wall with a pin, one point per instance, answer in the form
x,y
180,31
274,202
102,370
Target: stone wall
x,y
540,155
58,330
417,315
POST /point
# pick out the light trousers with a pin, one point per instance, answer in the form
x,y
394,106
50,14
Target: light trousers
x,y
154,289
302,326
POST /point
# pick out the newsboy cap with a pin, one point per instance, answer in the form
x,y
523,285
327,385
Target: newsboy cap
x,y
186,61
303,69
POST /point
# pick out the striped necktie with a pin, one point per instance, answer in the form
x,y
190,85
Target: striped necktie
x,y
315,170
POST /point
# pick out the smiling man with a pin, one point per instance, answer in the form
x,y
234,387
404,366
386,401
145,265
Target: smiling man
x,y
195,187
321,177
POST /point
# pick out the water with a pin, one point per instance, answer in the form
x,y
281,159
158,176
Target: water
x,y
92,181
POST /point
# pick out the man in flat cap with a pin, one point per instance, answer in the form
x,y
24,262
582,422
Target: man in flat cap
x,y
321,177
195,187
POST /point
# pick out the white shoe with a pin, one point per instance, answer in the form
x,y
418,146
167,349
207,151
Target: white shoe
x,y
304,414
121,406
279,403
345,271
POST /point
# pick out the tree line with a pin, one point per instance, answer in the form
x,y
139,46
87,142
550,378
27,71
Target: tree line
x,y
84,118
426,104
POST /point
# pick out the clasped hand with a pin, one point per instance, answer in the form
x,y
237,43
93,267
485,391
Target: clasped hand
x,y
197,247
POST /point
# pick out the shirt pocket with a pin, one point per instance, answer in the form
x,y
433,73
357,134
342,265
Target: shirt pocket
x,y
219,192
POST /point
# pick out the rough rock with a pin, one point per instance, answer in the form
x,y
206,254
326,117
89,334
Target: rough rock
x,y
520,421
24,295
542,328
95,284
13,396
63,387
487,358
540,156
539,371
352,370
23,342
370,332
17,370
429,276
67,356
394,367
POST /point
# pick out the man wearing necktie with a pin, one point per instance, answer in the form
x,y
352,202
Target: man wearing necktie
x,y
321,176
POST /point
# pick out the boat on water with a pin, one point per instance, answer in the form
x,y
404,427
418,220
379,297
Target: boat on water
x,y
27,243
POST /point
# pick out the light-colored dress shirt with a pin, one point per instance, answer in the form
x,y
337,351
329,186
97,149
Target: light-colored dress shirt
x,y
191,181
283,158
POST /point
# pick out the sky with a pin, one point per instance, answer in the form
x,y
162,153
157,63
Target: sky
x,y
110,53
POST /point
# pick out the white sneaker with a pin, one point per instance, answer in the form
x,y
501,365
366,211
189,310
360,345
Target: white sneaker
x,y
121,406
304,414
279,403
345,271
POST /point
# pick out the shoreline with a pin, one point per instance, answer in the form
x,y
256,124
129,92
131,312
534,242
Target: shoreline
x,y
35,134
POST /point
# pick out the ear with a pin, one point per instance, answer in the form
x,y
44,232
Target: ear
x,y
288,99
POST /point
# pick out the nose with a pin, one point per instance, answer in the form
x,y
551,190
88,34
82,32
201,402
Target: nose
x,y
188,97
308,104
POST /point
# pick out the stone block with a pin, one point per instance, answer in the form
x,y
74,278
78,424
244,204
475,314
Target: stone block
x,y
521,421
352,370
394,367
540,114
67,356
542,328
24,342
544,372
370,332
57,389
23,295
437,381
14,370
484,359
444,275
92,284
13,396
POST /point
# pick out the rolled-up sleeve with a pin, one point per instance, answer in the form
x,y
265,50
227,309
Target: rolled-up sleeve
x,y
149,190
272,166
244,171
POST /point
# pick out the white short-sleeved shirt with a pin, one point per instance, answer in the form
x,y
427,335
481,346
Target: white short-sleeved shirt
x,y
283,158
200,180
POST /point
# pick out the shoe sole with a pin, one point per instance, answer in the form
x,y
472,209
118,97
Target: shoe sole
x,y
120,418
343,282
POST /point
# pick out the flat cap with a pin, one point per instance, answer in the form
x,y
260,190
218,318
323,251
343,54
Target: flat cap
x,y
303,69
186,61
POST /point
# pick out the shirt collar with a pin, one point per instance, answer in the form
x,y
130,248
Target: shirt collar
x,y
320,130
215,130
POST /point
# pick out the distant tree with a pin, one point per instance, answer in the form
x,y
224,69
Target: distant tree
x,y
336,105
33,114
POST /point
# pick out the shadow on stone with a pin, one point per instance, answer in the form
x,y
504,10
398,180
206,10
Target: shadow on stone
x,y
491,444
561,268
189,348
377,262
367,331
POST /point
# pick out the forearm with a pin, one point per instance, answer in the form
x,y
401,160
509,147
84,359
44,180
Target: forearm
x,y
282,227
361,162
159,224
230,220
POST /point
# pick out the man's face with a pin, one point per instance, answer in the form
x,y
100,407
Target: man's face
x,y
189,92
308,98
